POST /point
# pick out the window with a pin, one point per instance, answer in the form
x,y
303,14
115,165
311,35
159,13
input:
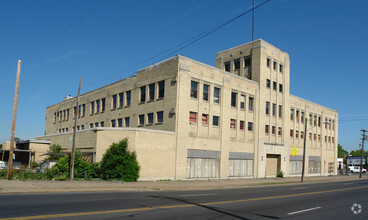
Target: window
x,y
242,102
54,120
281,68
120,122
310,136
103,105
127,122
279,131
280,88
315,120
150,118
319,138
274,65
141,120
63,115
319,121
204,119
241,125
291,133
326,123
297,116
267,129
227,66
205,92
302,117
314,137
233,99
114,102
216,95
273,130
193,117
247,61
96,124
325,138
268,62
268,83
160,117
280,111
102,124
236,65
333,140
232,123
97,106
267,108
151,92
91,125
274,85
92,107
128,97
250,126
113,123
250,106
75,113
161,89
79,111
121,100
143,94
215,121
302,134
67,114
274,109
296,134
292,114
83,110
194,89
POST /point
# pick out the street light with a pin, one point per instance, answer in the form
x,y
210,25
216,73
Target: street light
x,y
305,144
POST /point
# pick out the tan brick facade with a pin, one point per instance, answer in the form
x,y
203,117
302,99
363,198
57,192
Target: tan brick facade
x,y
232,120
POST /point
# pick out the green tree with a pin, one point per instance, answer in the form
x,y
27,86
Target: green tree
x,y
55,153
342,152
119,163
358,153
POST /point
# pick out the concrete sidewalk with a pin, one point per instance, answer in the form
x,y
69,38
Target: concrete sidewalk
x,y
38,186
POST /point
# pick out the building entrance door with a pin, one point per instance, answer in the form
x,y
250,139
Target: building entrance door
x,y
273,164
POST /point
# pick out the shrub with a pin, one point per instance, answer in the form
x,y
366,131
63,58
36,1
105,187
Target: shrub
x,y
281,174
119,163
62,167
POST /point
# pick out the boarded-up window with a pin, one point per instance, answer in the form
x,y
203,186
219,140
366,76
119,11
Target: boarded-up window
x,y
239,168
204,119
314,167
203,168
193,117
232,123
295,167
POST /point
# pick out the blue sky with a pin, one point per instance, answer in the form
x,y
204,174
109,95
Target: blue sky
x,y
104,41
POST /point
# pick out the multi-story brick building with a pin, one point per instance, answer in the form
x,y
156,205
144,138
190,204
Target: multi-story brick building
x,y
186,119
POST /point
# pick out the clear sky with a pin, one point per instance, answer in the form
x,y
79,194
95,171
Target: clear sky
x,y
104,41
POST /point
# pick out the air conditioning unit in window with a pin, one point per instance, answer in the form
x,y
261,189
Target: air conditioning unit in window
x,y
172,111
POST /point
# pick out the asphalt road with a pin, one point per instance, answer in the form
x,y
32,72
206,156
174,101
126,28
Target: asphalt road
x,y
301,201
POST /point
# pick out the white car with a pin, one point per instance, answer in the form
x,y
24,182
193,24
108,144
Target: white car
x,y
356,169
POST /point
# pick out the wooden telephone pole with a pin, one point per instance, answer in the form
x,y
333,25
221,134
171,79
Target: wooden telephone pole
x,y
362,151
74,133
10,160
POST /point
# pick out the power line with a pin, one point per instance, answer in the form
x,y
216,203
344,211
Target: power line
x,y
184,44
64,30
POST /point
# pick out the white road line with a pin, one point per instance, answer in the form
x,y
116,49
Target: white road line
x,y
300,188
305,210
207,194
347,184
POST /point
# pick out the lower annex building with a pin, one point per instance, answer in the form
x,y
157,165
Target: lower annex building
x,y
186,119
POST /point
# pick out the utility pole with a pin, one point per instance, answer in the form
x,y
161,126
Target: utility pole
x,y
362,150
10,160
304,147
253,22
74,133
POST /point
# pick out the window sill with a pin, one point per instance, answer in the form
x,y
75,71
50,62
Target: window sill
x,y
127,106
192,123
149,101
205,125
141,103
159,123
160,98
149,124
140,125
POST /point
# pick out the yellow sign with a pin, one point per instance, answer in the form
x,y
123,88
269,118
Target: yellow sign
x,y
294,151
